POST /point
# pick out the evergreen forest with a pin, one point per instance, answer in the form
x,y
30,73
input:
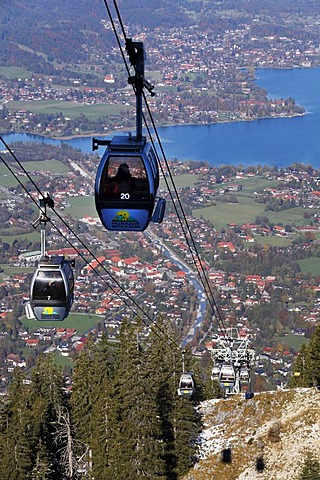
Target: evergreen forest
x,y
306,368
121,419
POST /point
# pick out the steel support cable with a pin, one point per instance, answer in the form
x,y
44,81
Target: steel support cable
x,y
152,325
59,231
58,215
195,257
134,89
119,17
136,304
116,34
202,275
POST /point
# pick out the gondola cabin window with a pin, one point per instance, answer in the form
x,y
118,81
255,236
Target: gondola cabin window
x,y
49,286
125,178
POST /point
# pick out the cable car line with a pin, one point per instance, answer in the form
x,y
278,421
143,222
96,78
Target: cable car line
x,y
195,257
183,221
152,325
231,373
186,383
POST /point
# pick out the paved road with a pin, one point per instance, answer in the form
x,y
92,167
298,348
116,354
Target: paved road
x,y
192,278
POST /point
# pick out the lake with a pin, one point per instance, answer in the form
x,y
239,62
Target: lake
x,y
280,141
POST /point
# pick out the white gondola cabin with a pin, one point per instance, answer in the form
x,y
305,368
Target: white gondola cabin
x,y
244,375
186,385
215,373
227,376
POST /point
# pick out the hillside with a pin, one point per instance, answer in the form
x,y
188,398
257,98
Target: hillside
x,y
267,436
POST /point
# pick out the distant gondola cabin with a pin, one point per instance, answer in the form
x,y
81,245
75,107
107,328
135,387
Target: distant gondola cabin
x,y
186,385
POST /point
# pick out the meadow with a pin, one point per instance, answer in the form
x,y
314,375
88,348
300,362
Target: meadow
x,y
52,166
294,341
69,109
81,207
182,181
33,236
8,271
15,72
245,211
253,184
272,240
310,265
81,322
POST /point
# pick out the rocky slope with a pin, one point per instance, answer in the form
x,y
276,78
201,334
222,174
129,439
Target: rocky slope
x,y
266,437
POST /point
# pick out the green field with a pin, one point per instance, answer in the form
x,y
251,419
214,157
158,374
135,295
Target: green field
x,y
273,240
292,216
8,270
254,184
181,181
82,323
81,207
53,166
15,72
33,236
69,109
295,341
8,180
62,361
310,265
244,211
50,165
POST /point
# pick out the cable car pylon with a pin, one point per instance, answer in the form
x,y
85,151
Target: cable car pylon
x,y
232,362
127,178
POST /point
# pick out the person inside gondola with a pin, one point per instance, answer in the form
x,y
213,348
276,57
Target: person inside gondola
x,y
123,180
123,172
57,289
49,286
121,183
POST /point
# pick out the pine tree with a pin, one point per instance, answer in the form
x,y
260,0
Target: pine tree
x,y
306,368
179,420
299,369
103,407
137,449
313,359
81,407
102,429
17,438
165,365
91,403
42,466
47,396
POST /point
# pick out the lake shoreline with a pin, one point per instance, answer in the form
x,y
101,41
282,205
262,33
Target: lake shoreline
x,y
126,129
273,141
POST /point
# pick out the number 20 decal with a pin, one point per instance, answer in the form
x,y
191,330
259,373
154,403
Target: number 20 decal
x,y
125,196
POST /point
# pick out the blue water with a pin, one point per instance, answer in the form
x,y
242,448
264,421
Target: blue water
x,y
280,141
